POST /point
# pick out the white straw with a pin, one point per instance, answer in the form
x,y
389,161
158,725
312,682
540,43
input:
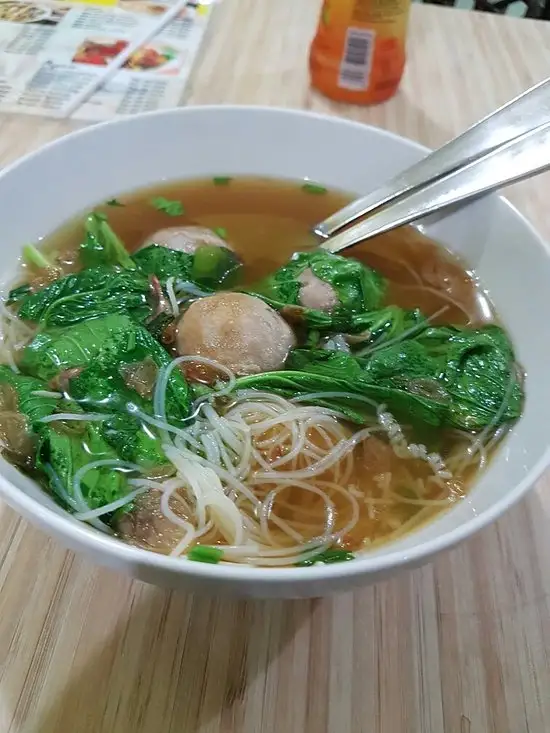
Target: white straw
x,y
115,65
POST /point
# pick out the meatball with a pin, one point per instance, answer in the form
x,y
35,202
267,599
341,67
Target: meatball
x,y
237,330
186,239
316,293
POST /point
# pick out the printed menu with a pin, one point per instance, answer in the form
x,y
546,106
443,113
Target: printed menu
x,y
49,51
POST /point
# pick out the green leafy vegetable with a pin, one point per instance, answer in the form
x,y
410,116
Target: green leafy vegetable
x,y
314,188
126,435
101,385
63,449
104,386
480,374
348,378
221,180
164,262
210,267
204,553
101,246
385,379
115,282
57,349
62,452
461,377
88,294
33,406
172,208
358,289
102,350
34,257
385,324
221,232
103,290
327,557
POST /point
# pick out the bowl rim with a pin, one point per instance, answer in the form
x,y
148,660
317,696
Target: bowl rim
x,y
90,540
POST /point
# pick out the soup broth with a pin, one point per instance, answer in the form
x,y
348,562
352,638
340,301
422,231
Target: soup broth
x,y
268,220
376,418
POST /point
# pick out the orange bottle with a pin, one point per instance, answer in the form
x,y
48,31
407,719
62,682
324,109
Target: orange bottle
x,y
358,53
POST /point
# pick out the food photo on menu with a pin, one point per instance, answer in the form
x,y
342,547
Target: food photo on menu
x,y
39,13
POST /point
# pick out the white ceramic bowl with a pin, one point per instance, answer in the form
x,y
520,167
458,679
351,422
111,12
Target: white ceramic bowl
x,y
45,189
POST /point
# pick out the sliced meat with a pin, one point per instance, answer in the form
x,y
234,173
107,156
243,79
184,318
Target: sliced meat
x,y
146,526
141,376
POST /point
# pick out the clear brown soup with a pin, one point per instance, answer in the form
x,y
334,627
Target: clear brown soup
x,y
266,221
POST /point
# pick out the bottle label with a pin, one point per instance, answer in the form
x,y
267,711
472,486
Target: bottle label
x,y
357,59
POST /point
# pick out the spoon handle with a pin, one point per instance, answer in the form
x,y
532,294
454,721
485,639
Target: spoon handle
x,y
523,157
508,122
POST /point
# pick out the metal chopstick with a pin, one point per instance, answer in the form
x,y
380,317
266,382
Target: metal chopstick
x,y
512,120
522,157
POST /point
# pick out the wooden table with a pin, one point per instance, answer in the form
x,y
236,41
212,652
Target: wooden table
x,y
459,646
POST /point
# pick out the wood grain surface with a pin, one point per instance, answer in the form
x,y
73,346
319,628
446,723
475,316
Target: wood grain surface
x,y
459,646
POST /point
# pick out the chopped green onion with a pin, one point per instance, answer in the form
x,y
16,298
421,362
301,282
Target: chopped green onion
x,y
221,232
327,557
34,257
172,208
115,202
222,180
204,553
313,188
